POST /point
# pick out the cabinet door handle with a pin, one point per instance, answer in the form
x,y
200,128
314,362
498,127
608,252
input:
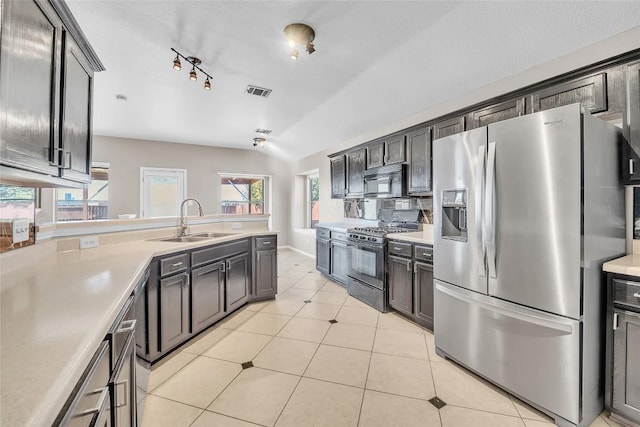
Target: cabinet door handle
x,y
176,265
408,265
266,243
636,295
395,248
615,321
631,167
228,265
127,326
428,255
104,394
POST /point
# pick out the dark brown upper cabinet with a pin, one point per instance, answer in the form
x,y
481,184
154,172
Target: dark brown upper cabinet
x,y
75,137
495,113
631,163
338,177
419,164
30,86
387,151
46,94
449,127
356,162
590,91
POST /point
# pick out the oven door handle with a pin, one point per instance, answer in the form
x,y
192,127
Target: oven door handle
x,y
377,248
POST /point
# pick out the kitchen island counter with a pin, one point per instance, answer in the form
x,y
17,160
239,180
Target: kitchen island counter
x,y
56,308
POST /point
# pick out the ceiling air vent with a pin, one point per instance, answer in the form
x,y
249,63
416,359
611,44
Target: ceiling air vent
x,y
258,91
263,131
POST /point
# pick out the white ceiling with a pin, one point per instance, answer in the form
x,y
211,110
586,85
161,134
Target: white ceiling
x,y
376,62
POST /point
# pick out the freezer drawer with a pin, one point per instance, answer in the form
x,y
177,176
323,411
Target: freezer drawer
x,y
532,354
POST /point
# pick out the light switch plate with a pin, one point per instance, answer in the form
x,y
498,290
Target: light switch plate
x,y
20,230
236,225
88,242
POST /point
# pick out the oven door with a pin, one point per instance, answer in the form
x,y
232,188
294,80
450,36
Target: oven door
x,y
366,263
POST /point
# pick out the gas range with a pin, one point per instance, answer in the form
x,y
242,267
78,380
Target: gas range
x,y
373,235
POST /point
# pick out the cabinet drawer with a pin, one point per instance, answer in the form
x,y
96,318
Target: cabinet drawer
x,y
214,253
627,293
173,264
322,233
423,253
402,249
339,236
267,242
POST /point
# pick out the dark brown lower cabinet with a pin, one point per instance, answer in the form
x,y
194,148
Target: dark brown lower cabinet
x,y
339,257
265,276
401,284
237,281
207,295
423,283
323,250
174,310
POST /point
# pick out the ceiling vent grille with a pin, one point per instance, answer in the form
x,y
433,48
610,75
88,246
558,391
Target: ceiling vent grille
x,y
258,91
263,131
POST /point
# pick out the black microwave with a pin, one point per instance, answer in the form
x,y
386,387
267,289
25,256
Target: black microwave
x,y
384,182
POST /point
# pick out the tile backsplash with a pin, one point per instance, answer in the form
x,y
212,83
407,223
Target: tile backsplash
x,y
370,208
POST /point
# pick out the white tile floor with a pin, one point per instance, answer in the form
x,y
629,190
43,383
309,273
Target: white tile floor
x,y
368,369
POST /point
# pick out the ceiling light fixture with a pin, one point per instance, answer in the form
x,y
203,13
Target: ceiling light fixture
x,y
195,62
258,142
300,35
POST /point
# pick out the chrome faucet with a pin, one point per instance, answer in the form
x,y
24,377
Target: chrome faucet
x,y
182,229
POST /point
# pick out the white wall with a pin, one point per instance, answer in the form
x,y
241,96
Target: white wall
x,y
203,164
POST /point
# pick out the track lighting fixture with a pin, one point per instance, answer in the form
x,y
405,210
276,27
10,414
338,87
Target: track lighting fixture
x,y
300,35
176,64
258,142
195,62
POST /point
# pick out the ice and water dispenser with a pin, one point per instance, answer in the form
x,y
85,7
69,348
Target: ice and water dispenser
x,y
454,215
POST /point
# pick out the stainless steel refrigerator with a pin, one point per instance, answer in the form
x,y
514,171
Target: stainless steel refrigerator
x,y
525,212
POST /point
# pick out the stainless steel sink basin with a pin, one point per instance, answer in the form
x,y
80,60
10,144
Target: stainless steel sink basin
x,y
183,239
211,235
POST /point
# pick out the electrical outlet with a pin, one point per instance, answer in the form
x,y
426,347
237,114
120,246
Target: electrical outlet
x,y
88,242
20,230
236,225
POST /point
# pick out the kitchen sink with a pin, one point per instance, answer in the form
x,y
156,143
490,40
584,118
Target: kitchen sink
x,y
210,235
183,239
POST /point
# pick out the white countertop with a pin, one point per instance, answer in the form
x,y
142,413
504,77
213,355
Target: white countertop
x,y
425,236
55,314
629,265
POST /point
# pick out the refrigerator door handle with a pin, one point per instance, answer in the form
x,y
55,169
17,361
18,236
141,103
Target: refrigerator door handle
x,y
478,210
567,328
490,206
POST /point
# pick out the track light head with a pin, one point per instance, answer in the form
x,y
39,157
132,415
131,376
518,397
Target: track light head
x,y
192,74
176,64
207,84
294,54
258,142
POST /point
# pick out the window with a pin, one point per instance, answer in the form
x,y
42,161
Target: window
x,y
85,204
313,196
242,195
162,191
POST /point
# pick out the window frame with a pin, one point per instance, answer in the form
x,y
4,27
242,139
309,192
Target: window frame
x,y
148,170
266,191
85,197
308,199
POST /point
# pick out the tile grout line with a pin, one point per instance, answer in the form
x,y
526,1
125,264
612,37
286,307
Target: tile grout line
x,y
433,378
366,381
